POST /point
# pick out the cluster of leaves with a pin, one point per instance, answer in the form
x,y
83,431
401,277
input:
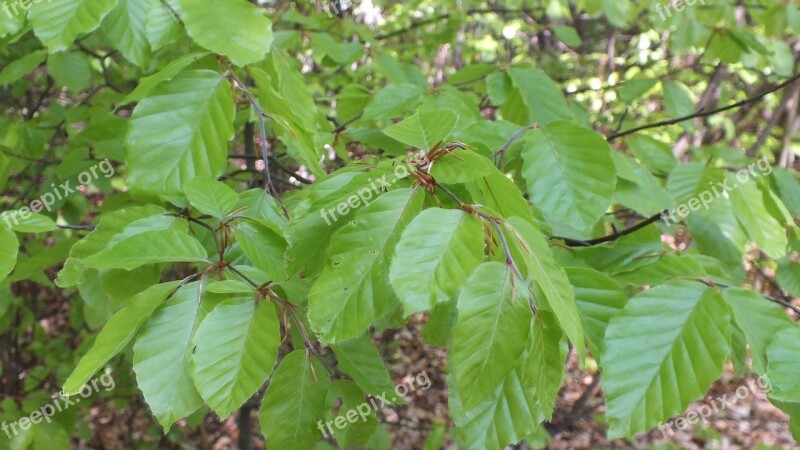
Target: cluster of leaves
x,y
219,286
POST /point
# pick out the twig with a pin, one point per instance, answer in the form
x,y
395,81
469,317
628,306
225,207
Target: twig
x,y
290,172
611,237
76,227
499,154
705,113
713,283
343,126
220,249
263,129
469,12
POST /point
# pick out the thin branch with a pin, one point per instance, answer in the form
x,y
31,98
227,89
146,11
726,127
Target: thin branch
x,y
220,249
263,129
706,113
289,172
506,249
499,154
713,283
343,126
77,227
611,237
469,12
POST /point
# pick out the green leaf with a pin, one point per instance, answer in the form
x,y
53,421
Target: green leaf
x,y
116,334
235,350
540,265
599,298
59,23
148,84
792,409
570,173
540,95
666,267
633,89
678,102
179,132
626,254
393,100
354,289
360,359
70,69
284,95
788,275
461,166
21,67
125,27
157,246
163,26
436,254
498,193
568,35
264,246
784,365
108,226
358,433
233,28
162,356
689,180
9,246
322,209
717,233
759,319
685,329
211,196
788,186
11,24
618,12
35,223
544,366
764,229
424,129
491,333
294,403
259,204
522,400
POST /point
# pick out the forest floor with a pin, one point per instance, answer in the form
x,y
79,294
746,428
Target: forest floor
x,y
748,421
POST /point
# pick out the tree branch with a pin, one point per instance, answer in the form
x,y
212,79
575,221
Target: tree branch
x,y
706,113
612,237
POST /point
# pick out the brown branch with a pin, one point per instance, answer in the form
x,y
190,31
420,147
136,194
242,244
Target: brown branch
x,y
706,113
713,283
77,227
499,154
612,237
260,114
469,12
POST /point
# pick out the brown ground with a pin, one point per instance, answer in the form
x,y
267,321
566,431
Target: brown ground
x,y
745,424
